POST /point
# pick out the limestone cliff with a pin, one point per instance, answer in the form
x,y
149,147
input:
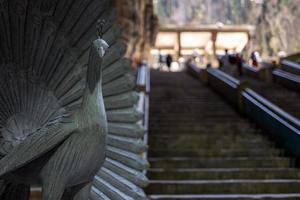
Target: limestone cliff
x,y
140,26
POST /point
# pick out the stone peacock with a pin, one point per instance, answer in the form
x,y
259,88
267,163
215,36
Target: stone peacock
x,y
67,103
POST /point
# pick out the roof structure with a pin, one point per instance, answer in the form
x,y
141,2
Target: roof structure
x,y
207,39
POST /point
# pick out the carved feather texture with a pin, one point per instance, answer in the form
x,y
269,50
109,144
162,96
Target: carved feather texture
x,y
44,52
121,176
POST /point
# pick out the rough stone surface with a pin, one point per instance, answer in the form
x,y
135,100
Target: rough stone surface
x,y
140,26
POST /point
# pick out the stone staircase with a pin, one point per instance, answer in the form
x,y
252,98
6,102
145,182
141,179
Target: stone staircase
x,y
200,148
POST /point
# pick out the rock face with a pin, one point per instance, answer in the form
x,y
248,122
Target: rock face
x,y
140,26
276,21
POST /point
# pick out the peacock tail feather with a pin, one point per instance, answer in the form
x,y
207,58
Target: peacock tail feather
x,y
44,52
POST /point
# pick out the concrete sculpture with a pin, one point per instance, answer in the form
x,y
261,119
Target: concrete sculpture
x,y
67,103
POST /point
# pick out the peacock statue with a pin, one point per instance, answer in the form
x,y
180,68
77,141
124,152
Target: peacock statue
x,y
68,120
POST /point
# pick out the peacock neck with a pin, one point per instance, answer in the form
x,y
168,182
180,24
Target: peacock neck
x,y
93,105
93,111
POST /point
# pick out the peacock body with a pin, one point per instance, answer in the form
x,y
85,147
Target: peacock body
x,y
67,102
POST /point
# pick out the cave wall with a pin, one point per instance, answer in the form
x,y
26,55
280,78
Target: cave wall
x,y
278,27
277,21
140,26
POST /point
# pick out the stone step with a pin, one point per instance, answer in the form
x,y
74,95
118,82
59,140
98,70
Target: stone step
x,y
191,109
192,93
209,121
199,131
177,123
187,116
205,141
229,186
207,127
206,120
214,147
291,196
216,152
223,173
199,101
200,148
220,162
210,138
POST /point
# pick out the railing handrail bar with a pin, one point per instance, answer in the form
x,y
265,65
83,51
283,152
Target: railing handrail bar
x,y
274,108
287,75
290,64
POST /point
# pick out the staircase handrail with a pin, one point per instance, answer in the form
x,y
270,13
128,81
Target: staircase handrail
x,y
227,86
290,66
225,77
283,126
289,80
287,75
262,73
274,108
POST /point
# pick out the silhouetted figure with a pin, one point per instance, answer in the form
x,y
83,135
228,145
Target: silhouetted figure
x,y
254,57
224,59
239,63
169,60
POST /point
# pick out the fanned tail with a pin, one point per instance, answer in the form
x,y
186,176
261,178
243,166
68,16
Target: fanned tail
x,y
121,176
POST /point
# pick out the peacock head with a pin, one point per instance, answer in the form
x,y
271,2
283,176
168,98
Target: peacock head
x,y
101,46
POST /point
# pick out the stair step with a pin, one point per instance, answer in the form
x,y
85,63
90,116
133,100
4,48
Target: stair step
x,y
211,138
223,173
193,115
229,186
241,162
205,142
217,152
210,122
292,196
200,148
200,130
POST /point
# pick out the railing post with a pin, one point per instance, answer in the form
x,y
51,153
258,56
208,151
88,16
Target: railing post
x,y
143,87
